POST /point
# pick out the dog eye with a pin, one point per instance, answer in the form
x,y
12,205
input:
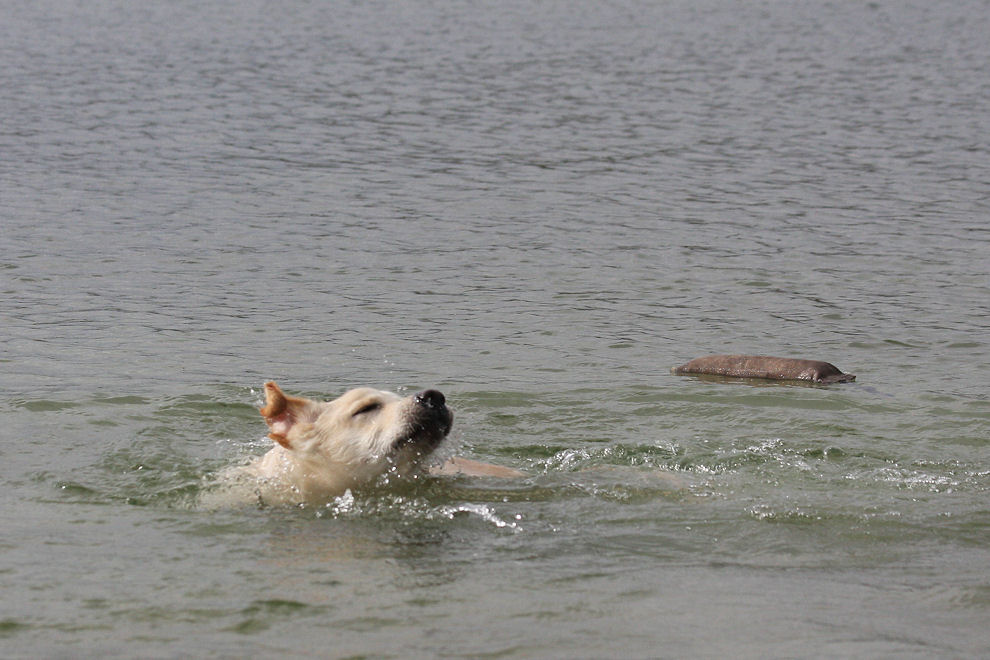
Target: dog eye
x,y
367,408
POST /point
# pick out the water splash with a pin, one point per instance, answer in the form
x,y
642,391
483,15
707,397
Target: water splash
x,y
483,511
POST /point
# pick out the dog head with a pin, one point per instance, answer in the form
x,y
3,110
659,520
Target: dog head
x,y
365,432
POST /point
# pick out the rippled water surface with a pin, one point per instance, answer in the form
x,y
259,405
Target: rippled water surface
x,y
538,208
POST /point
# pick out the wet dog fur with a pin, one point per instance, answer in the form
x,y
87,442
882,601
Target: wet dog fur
x,y
324,448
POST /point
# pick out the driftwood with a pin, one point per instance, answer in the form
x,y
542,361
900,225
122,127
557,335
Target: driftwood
x,y
763,366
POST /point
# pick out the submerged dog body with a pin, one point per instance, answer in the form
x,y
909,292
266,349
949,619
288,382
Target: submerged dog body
x,y
324,448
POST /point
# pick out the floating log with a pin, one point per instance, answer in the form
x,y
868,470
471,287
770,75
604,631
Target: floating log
x,y
764,366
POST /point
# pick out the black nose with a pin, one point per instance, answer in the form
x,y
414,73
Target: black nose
x,y
431,399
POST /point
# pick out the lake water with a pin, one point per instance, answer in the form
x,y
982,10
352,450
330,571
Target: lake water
x,y
538,208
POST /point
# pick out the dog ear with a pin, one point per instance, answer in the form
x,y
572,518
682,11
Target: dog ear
x,y
283,412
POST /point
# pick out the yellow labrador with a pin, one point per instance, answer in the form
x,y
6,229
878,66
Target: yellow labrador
x,y
324,448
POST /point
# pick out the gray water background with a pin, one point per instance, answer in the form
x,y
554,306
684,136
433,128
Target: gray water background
x,y
539,208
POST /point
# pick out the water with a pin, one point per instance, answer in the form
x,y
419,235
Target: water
x,y
538,208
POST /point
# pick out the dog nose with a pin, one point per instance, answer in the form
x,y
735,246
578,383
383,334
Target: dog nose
x,y
431,399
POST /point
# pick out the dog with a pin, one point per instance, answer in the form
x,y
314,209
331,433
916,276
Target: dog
x,y
324,448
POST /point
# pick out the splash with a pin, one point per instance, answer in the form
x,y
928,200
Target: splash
x,y
483,511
